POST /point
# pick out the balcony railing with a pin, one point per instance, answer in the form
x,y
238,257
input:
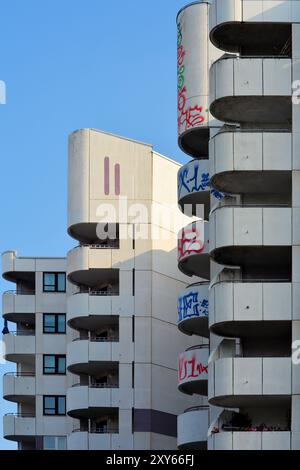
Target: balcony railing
x,y
233,204
100,293
235,129
197,408
21,415
102,246
96,339
260,428
100,385
250,280
100,430
109,339
20,292
22,333
201,346
20,374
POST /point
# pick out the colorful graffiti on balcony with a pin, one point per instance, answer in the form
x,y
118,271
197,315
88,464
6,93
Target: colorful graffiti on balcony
x,y
190,242
192,116
190,306
190,367
191,180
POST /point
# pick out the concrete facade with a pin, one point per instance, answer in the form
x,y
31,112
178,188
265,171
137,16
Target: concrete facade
x,y
118,389
251,129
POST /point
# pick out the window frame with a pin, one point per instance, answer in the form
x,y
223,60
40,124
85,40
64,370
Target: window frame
x,y
56,368
56,323
56,405
56,441
55,285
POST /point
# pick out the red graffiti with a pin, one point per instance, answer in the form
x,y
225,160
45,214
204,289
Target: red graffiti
x,y
189,243
188,117
192,115
190,368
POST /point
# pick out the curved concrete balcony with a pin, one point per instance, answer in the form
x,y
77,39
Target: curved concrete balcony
x,y
19,306
194,186
95,309
19,387
254,308
251,162
193,370
193,58
83,440
19,427
83,264
245,25
193,250
194,189
87,356
279,440
243,381
251,235
84,401
19,347
15,268
193,310
247,90
192,428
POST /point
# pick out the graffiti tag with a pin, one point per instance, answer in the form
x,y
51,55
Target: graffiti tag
x,y
190,368
191,116
190,306
189,243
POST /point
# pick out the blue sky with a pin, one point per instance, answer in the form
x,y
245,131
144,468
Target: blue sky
x,y
70,64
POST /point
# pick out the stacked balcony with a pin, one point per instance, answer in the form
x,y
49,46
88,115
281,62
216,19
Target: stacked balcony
x,y
196,196
18,307
93,310
251,229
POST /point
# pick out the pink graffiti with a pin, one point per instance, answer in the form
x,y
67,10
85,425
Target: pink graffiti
x,y
191,116
189,243
190,368
188,117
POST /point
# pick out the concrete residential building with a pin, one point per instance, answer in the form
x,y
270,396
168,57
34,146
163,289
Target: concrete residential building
x,y
97,342
254,229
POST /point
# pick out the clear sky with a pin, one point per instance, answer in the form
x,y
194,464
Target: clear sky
x,y
70,64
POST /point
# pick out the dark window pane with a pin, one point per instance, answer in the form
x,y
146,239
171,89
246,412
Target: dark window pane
x,y
61,443
61,365
61,324
49,323
49,443
49,364
49,282
49,405
61,282
61,406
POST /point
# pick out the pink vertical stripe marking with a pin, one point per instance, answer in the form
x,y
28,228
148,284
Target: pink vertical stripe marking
x,y
117,179
106,175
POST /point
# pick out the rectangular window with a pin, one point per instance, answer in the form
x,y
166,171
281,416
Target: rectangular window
x,y
54,323
54,405
54,282
55,443
54,364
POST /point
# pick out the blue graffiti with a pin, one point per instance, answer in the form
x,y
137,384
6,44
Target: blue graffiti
x,y
190,306
197,182
217,194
